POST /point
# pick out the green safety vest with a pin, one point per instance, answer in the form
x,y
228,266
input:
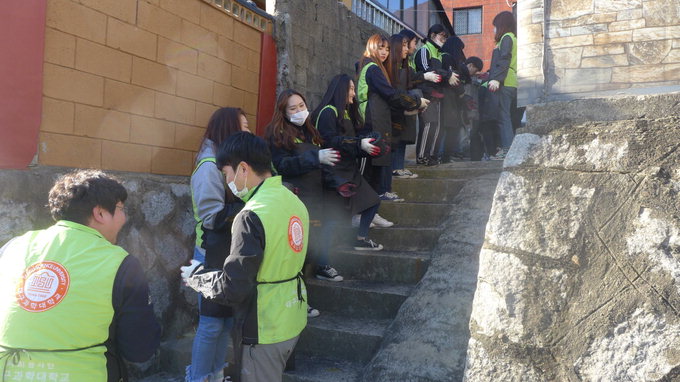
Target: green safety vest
x,y
511,77
56,302
199,222
362,90
281,315
412,62
435,53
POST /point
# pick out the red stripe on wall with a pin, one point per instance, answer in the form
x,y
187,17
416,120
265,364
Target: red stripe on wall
x,y
267,94
22,41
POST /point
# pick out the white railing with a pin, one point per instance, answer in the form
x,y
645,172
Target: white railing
x,y
378,16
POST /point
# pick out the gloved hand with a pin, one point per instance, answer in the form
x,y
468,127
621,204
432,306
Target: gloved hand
x,y
188,270
366,145
328,156
433,77
494,85
424,103
347,190
454,80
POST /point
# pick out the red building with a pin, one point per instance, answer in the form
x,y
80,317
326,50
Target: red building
x,y
472,22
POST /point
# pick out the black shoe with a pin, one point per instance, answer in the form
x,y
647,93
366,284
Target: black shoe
x,y
367,245
421,160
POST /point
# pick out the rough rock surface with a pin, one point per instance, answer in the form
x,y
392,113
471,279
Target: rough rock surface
x,y
427,339
579,275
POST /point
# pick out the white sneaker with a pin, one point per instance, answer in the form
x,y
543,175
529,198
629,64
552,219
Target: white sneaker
x,y
381,221
356,220
311,312
410,174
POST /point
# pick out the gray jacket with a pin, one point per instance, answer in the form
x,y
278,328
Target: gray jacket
x,y
208,186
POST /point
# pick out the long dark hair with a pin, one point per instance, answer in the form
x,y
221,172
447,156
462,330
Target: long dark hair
x,y
434,29
504,23
281,132
223,123
394,60
336,96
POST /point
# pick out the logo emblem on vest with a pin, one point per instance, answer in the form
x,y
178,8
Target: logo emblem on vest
x,y
295,233
42,286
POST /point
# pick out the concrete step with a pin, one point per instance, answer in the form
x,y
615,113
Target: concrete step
x,y
342,337
388,266
318,369
415,214
395,238
434,190
399,238
458,170
357,298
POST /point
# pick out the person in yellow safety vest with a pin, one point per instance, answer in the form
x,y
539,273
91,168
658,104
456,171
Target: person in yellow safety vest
x,y
72,303
262,276
503,75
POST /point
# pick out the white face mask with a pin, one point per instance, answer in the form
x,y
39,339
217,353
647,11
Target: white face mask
x,y
238,193
299,118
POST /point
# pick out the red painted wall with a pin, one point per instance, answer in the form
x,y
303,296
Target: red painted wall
x,y
480,45
22,41
267,94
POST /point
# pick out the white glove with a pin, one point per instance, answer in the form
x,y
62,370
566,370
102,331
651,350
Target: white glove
x,y
433,77
454,80
188,270
494,85
424,103
328,156
368,147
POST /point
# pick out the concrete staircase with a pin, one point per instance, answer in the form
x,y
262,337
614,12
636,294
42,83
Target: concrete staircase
x,y
355,313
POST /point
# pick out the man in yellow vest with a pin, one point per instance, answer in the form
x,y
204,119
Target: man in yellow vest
x,y
261,278
72,303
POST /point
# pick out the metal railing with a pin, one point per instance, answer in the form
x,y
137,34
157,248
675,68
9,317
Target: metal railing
x,y
378,16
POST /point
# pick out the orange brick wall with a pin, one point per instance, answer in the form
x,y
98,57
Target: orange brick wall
x,y
480,45
130,85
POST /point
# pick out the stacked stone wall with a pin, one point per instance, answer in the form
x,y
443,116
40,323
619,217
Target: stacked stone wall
x,y
572,49
316,41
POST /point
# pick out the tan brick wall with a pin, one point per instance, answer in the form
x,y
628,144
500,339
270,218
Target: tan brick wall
x,y
130,85
592,46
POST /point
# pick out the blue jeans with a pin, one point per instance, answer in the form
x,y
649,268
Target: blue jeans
x,y
366,219
505,123
209,351
398,156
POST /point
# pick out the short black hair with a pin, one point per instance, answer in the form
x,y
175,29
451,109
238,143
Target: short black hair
x,y
75,194
409,34
476,62
245,147
436,29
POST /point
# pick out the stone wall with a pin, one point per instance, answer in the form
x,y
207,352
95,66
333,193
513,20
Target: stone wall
x,y
574,49
579,273
130,85
158,232
315,41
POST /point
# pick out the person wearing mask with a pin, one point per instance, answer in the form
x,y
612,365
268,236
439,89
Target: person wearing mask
x,y
377,98
402,47
503,75
337,120
214,209
74,304
429,58
262,276
450,147
298,157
